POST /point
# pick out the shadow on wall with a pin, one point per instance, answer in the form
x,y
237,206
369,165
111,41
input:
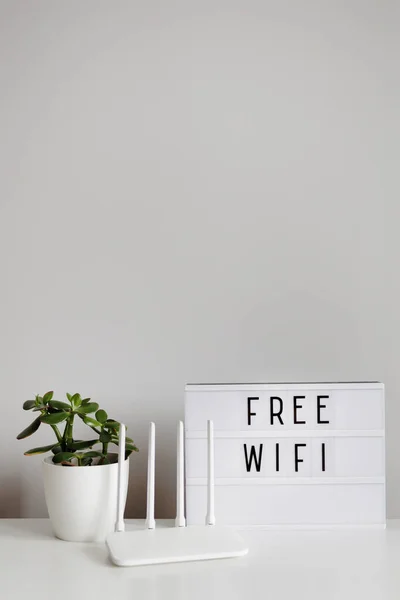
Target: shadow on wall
x,y
136,500
165,496
10,498
137,496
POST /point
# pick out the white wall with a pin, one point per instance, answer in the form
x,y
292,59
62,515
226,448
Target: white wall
x,y
198,190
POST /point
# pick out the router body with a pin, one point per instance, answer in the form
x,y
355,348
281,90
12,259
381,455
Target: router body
x,y
173,545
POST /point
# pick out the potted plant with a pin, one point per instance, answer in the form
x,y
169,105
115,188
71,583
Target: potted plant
x,y
80,476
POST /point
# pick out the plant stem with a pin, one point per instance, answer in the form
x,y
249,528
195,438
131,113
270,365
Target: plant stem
x,y
57,432
105,448
67,435
64,438
70,426
54,427
94,429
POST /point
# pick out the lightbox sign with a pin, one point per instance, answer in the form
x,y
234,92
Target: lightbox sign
x,y
288,454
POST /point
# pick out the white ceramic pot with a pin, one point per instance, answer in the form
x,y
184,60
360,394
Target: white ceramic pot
x,y
82,501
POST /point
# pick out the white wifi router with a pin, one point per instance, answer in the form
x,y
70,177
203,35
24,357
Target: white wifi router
x,y
153,545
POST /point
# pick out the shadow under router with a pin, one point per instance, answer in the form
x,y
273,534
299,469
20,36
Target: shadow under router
x,y
153,545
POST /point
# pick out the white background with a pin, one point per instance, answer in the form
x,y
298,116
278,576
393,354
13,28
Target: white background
x,y
193,191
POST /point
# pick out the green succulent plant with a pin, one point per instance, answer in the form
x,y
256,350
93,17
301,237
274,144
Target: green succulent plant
x,y
66,450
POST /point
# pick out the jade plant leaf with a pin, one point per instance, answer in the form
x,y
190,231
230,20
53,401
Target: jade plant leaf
x,y
101,416
89,421
92,454
39,450
29,404
48,396
128,441
131,448
88,408
82,444
105,437
59,405
63,457
54,418
76,400
34,426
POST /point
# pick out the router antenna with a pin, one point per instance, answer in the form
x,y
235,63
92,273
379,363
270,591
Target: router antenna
x,y
180,520
210,518
150,522
119,524
152,546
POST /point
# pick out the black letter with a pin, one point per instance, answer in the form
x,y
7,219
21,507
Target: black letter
x,y
295,409
323,457
297,460
319,406
253,456
249,413
276,457
275,414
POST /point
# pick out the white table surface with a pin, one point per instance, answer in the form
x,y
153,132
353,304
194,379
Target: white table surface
x,y
290,565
